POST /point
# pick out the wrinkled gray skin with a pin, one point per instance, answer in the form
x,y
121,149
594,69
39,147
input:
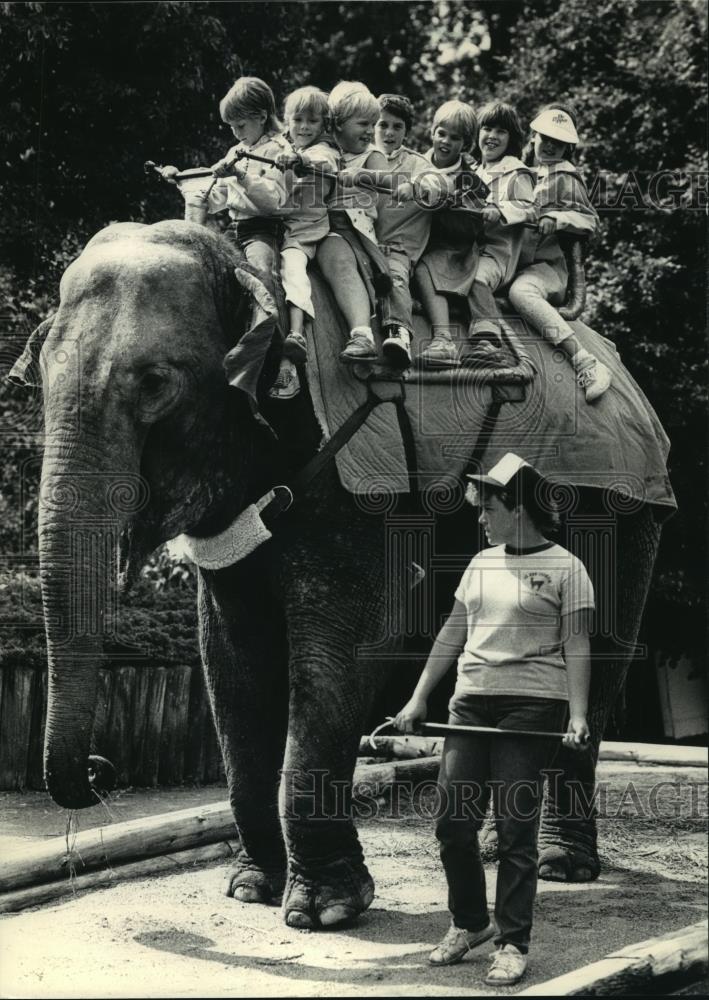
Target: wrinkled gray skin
x,y
145,440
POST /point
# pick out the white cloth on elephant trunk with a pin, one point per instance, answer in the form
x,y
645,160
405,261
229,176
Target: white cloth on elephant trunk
x,y
236,542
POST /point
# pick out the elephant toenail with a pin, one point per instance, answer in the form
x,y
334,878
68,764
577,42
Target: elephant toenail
x,y
296,918
552,874
337,914
248,894
582,875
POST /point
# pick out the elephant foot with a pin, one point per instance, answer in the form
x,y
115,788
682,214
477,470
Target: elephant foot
x,y
487,840
333,895
248,883
559,864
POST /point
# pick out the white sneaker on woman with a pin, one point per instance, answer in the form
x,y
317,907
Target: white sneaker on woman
x,y
457,943
507,967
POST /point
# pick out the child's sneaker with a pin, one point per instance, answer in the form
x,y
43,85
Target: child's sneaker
x,y
396,348
360,347
482,352
295,348
507,967
593,377
457,943
287,384
440,353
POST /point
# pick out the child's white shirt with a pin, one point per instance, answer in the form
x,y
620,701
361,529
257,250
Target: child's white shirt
x,y
267,188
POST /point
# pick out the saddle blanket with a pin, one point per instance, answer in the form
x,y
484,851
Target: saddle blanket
x,y
528,403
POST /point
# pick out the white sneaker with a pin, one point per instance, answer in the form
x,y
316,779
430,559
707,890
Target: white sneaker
x,y
457,943
287,384
397,347
594,378
507,967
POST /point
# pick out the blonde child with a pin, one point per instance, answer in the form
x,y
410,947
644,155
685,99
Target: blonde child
x,y
349,257
446,266
306,224
563,206
402,227
306,218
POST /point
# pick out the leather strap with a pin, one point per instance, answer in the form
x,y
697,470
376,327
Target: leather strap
x,y
284,495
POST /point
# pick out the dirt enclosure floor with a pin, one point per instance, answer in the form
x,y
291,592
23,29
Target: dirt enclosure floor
x,y
176,936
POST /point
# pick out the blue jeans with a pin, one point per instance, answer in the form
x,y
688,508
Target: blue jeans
x,y
396,307
475,767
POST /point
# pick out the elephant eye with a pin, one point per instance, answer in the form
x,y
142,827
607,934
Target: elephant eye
x,y
152,383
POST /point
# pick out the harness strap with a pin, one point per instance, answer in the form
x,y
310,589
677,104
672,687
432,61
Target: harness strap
x,y
283,496
409,442
484,434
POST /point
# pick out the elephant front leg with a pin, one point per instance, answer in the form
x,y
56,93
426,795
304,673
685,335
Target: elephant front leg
x,y
328,881
245,663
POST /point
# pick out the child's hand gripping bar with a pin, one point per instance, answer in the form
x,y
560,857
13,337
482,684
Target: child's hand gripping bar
x,y
174,176
302,169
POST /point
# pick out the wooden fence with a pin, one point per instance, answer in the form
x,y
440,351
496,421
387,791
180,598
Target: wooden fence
x,y
153,723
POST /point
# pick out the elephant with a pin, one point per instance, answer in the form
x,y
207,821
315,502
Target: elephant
x,y
145,440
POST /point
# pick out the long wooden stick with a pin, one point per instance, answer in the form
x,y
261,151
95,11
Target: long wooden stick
x,y
444,727
489,729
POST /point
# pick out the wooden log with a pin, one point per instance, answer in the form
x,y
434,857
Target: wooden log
x,y
401,747
35,763
635,753
122,842
373,779
117,844
655,753
678,957
174,726
163,864
15,726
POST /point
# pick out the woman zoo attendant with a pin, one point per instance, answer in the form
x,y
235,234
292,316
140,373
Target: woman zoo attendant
x,y
519,632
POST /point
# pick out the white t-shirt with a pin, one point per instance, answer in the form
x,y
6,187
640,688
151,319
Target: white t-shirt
x,y
514,606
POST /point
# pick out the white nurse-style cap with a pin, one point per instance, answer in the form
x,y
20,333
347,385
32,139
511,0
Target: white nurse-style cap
x,y
556,124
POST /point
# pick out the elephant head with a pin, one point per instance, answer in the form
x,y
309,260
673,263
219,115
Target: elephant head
x,y
144,439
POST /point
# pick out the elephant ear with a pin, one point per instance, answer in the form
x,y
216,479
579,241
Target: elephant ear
x,y
26,371
244,363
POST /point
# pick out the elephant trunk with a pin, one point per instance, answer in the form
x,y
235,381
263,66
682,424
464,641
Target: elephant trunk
x,y
80,519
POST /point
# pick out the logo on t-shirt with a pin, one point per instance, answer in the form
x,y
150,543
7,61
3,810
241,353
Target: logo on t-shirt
x,y
536,580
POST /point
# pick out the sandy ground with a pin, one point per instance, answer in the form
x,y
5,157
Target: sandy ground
x,y
175,935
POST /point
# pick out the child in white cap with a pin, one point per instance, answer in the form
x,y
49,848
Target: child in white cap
x,y
518,632
563,206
